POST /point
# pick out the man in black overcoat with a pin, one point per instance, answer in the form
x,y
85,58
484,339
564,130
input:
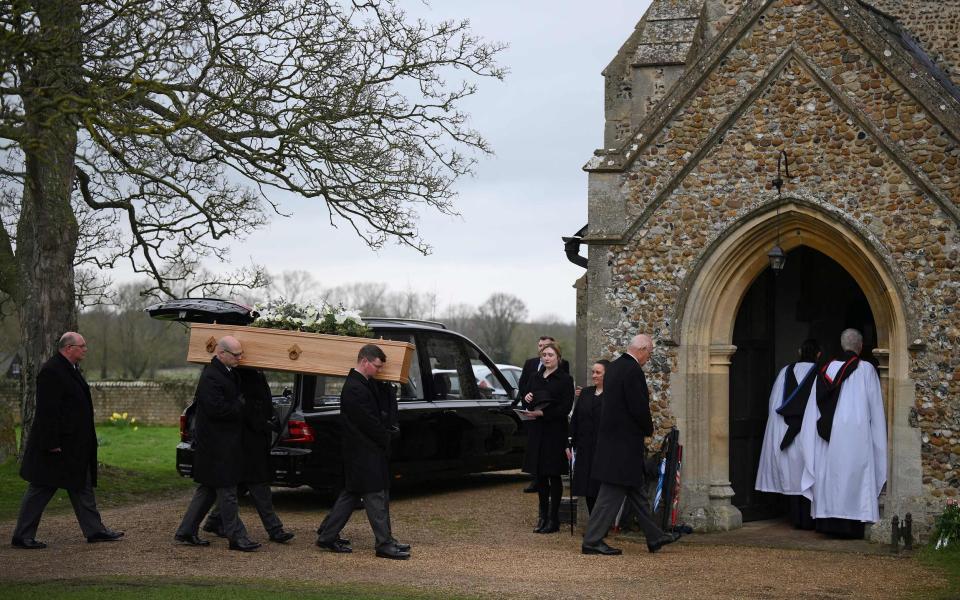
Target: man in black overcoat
x,y
218,449
61,450
619,460
366,421
259,425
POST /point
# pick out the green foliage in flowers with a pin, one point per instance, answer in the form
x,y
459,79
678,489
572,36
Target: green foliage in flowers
x,y
946,528
333,320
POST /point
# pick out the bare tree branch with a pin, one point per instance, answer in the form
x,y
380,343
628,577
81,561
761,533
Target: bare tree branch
x,y
154,133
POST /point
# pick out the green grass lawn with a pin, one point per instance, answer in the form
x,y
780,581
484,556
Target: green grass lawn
x,y
134,465
199,589
947,562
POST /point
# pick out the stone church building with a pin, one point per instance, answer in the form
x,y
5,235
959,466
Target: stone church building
x,y
859,104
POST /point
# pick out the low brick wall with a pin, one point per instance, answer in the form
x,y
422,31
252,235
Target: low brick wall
x,y
152,403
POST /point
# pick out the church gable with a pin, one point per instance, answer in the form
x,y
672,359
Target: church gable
x,y
670,141
682,216
836,166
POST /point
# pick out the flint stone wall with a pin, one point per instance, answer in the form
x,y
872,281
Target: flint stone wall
x,y
853,134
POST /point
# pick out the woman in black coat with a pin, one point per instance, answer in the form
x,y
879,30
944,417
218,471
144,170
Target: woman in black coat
x,y
583,433
548,402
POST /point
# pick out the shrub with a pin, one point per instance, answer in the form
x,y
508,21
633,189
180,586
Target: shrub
x,y
946,528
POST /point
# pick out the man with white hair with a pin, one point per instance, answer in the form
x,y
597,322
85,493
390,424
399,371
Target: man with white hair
x,y
618,462
847,469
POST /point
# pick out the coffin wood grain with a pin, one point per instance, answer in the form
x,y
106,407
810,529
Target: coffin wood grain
x,y
316,353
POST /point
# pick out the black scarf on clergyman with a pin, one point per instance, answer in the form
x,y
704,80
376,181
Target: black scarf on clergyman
x,y
828,391
794,402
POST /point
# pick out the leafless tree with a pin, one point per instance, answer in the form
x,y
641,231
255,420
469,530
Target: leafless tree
x,y
495,321
151,132
411,304
462,318
293,286
138,336
367,297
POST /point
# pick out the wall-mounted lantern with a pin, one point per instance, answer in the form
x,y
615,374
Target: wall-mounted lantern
x,y
776,255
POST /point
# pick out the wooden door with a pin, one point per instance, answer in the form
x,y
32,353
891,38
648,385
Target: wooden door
x,y
752,372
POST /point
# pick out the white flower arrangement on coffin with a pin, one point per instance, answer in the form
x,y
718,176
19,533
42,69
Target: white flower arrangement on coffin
x,y
325,318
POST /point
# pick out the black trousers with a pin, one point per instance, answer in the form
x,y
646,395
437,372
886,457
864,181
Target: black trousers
x,y
36,498
377,505
262,500
550,489
841,528
608,504
226,501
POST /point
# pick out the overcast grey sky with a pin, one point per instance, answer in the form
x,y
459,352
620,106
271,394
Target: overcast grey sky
x,y
543,121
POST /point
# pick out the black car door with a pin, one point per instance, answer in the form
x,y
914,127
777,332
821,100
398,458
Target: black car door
x,y
453,394
414,452
497,437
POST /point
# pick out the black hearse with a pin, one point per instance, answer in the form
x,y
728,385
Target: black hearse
x,y
449,423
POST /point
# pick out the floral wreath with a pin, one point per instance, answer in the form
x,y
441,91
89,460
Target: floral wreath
x,y
322,318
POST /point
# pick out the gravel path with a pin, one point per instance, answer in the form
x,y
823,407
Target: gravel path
x,y
473,536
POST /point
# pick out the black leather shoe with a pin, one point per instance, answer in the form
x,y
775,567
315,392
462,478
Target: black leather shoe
x,y
343,541
27,544
214,529
335,546
107,535
401,547
281,537
392,552
244,545
531,489
541,523
600,547
667,538
190,540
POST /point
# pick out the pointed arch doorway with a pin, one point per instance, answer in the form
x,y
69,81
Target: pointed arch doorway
x,y
706,316
813,297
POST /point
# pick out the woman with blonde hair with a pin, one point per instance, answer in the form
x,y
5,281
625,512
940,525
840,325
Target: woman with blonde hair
x,y
548,402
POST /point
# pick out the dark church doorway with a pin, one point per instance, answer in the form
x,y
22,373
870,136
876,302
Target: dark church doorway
x,y
813,297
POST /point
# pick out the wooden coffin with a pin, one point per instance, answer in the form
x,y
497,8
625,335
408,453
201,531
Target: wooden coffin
x,y
297,351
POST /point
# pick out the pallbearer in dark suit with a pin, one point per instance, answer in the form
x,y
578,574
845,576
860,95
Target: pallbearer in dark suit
x,y
550,399
218,449
259,425
61,450
367,419
584,424
619,463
